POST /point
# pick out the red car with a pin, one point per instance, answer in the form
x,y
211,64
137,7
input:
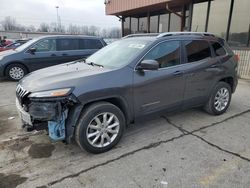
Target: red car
x,y
10,46
13,45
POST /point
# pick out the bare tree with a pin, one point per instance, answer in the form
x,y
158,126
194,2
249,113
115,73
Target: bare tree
x,y
9,24
92,30
31,28
44,27
53,27
74,29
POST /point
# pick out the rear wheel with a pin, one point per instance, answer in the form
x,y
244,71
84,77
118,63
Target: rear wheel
x,y
220,99
16,71
100,127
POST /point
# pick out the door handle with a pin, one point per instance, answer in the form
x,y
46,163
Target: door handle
x,y
53,55
64,54
178,73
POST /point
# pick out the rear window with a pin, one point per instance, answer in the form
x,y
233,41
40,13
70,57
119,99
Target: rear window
x,y
197,50
90,44
218,49
67,44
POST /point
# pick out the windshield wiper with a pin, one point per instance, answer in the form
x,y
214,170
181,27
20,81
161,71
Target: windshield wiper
x,y
94,64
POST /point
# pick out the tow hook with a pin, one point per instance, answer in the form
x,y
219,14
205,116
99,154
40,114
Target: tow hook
x,y
57,128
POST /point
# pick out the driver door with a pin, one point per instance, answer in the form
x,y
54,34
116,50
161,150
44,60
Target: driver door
x,y
156,90
45,55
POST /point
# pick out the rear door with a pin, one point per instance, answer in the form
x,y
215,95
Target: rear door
x,y
163,88
90,46
200,71
69,49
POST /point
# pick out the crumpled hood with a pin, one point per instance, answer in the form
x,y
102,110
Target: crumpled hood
x,y
60,76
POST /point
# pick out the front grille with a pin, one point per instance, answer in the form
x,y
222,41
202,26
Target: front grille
x,y
21,92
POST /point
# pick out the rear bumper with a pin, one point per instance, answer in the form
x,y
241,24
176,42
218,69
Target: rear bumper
x,y
235,84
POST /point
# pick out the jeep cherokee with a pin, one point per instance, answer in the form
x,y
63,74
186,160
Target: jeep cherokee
x,y
93,100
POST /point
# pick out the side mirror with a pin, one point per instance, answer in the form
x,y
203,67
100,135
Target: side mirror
x,y
148,65
32,50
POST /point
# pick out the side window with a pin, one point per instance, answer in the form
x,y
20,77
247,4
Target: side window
x,y
67,44
197,50
90,44
166,53
218,49
45,45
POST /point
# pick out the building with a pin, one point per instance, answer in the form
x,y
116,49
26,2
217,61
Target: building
x,y
229,19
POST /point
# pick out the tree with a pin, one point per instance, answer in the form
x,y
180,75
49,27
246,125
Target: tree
x,y
43,27
31,28
9,24
53,27
74,29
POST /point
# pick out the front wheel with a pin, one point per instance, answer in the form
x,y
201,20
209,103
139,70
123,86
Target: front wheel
x,y
100,127
16,71
220,99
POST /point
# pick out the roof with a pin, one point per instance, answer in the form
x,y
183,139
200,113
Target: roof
x,y
68,36
134,7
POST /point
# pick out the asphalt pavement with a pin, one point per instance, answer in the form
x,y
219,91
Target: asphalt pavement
x,y
184,150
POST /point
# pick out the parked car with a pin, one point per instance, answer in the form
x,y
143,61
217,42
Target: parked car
x,y
46,51
13,45
92,101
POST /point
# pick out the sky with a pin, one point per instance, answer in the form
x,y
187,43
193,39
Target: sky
x,y
79,12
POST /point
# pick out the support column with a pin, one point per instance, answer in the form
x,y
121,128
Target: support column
x,y
208,13
229,19
190,17
122,21
148,22
183,18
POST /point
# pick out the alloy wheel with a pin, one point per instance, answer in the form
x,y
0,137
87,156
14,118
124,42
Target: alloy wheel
x,y
103,129
221,99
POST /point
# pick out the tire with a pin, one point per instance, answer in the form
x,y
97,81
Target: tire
x,y
16,71
88,125
220,99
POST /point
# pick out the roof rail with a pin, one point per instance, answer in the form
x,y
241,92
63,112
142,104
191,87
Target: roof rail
x,y
142,35
159,35
184,33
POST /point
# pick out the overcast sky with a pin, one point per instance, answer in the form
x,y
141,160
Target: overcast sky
x,y
80,12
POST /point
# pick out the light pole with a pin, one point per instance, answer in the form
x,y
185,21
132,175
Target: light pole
x,y
57,16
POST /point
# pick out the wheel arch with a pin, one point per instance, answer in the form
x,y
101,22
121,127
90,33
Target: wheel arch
x,y
229,80
117,101
14,62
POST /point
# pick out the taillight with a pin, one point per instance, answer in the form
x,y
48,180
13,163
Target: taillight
x,y
237,57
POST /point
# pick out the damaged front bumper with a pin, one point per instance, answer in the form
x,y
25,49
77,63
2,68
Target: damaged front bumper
x,y
60,115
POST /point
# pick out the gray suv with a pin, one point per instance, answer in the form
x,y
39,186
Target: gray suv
x,y
93,100
46,51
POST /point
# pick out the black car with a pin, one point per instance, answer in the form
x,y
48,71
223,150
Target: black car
x,y
93,100
46,51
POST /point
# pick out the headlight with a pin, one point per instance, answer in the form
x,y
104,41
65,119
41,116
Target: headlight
x,y
52,93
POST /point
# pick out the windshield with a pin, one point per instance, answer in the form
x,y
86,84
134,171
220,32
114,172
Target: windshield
x,y
27,44
119,53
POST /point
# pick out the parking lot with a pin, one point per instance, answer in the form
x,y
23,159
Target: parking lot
x,y
187,149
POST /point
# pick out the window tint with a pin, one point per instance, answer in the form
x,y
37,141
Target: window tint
x,y
90,44
68,44
45,45
167,54
197,50
218,49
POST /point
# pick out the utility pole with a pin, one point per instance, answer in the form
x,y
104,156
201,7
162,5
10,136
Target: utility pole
x,y
57,16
